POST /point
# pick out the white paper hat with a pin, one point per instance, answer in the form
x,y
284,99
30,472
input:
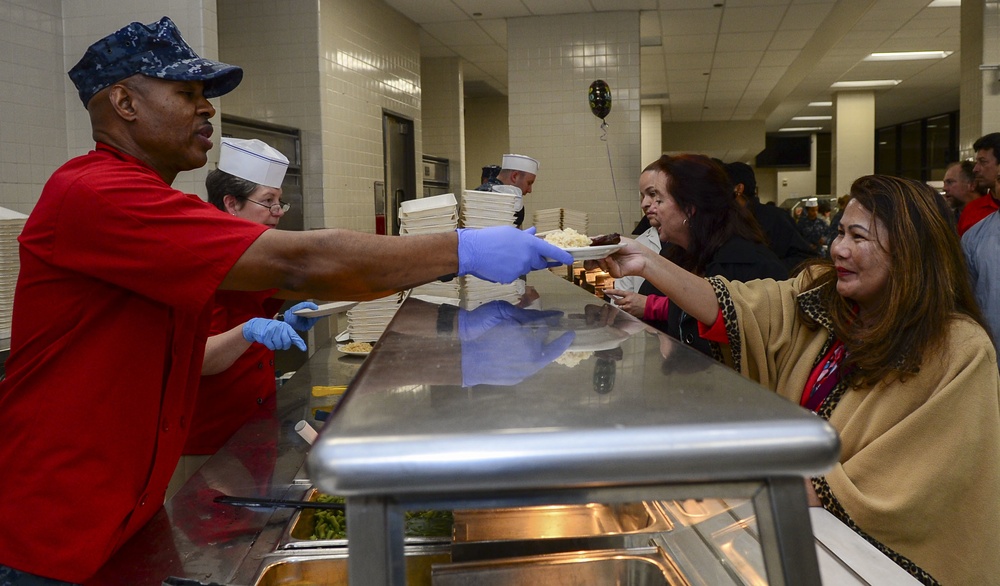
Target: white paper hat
x,y
812,202
253,160
520,163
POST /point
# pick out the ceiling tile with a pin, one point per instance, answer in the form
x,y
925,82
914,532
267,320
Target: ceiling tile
x,y
804,17
751,18
744,41
690,22
422,12
488,8
450,34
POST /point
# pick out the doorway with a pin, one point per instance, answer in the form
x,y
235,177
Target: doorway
x,y
400,171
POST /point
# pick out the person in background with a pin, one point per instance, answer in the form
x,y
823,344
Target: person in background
x,y
490,173
704,230
133,266
238,377
782,236
961,187
812,227
647,235
886,342
517,175
986,170
981,240
835,220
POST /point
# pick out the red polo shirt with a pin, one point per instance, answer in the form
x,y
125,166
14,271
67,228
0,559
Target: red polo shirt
x,y
111,312
974,211
227,400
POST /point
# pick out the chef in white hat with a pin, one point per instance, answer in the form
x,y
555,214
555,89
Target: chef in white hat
x,y
238,375
517,174
247,183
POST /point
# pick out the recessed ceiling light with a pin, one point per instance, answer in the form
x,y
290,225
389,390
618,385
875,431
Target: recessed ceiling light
x,y
944,3
812,117
820,104
907,55
866,84
800,128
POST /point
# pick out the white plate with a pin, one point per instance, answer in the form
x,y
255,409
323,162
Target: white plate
x,y
594,252
327,309
341,348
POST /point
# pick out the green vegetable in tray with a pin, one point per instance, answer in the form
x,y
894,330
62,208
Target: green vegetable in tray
x,y
331,524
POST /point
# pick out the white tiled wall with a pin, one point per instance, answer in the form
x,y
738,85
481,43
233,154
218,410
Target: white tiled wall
x,y
369,62
328,68
32,103
552,61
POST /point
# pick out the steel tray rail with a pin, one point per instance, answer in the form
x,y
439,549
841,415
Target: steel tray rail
x,y
632,416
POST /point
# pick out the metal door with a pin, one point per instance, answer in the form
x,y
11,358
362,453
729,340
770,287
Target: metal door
x,y
400,169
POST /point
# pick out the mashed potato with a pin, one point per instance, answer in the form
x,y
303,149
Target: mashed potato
x,y
567,238
571,359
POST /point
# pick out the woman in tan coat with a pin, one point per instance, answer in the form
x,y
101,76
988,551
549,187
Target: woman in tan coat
x,y
884,340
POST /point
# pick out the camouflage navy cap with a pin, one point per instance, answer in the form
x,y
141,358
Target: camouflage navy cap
x,y
157,50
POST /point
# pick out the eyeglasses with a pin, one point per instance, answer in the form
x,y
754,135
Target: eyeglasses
x,y
276,209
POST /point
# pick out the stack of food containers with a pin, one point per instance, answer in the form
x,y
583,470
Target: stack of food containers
x,y
488,208
367,320
481,209
427,215
547,220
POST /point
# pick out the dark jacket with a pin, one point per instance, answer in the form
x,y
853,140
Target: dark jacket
x,y
782,235
737,260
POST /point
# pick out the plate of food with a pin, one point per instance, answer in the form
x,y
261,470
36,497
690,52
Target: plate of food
x,y
583,247
593,252
355,348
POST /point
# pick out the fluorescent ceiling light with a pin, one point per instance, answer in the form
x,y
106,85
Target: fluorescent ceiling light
x,y
820,104
812,117
800,128
944,3
907,55
866,84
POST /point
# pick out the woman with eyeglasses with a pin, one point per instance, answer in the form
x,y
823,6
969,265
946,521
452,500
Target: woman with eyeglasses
x,y
238,376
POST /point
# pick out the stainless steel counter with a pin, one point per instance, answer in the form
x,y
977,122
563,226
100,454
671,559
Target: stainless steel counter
x,y
624,415
638,417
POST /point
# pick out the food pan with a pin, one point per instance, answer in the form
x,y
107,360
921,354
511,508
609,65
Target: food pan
x,y
522,531
632,567
330,568
298,533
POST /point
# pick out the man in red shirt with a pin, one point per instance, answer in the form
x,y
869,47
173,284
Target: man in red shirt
x,y
986,169
113,302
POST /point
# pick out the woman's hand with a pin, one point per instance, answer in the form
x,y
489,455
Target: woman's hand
x,y
628,301
630,260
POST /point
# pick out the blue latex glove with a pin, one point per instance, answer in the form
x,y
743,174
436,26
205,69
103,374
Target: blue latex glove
x,y
504,351
472,324
503,253
276,335
302,324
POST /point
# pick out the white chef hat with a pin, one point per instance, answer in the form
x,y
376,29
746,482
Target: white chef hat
x,y
812,202
520,163
253,160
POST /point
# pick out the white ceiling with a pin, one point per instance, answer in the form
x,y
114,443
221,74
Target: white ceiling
x,y
723,60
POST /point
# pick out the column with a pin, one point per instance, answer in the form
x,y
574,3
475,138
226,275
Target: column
x,y
441,108
853,138
980,89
